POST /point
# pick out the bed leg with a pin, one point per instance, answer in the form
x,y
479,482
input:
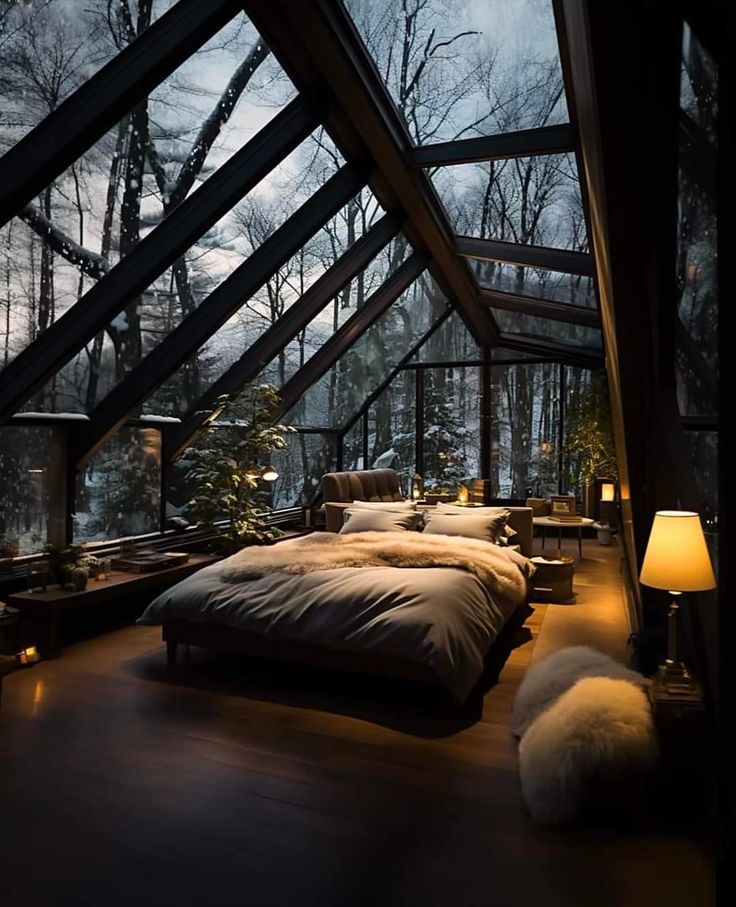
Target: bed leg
x,y
171,648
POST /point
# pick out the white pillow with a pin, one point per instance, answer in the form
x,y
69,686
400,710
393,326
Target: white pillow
x,y
465,508
379,521
488,527
388,506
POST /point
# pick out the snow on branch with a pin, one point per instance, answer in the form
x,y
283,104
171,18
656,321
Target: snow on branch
x,y
90,262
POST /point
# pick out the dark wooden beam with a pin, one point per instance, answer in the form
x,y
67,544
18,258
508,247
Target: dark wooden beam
x,y
542,308
154,253
341,341
529,256
524,143
294,320
560,352
87,114
184,341
320,49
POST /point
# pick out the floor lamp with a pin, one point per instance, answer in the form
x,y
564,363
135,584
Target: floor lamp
x,y
676,560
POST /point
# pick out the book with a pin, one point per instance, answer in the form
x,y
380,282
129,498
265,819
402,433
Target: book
x,y
566,518
145,561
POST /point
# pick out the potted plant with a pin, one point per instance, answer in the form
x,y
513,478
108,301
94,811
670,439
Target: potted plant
x,y
70,565
440,494
231,497
589,447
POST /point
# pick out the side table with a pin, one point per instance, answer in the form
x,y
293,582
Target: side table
x,y
553,581
546,522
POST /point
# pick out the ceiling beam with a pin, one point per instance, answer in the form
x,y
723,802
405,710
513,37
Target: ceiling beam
x,y
318,46
524,143
87,114
52,349
528,256
572,355
194,330
542,308
283,331
358,323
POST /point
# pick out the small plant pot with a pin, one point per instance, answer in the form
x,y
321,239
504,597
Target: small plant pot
x,y
78,577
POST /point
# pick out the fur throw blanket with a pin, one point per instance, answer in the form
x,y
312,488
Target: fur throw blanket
x,y
501,570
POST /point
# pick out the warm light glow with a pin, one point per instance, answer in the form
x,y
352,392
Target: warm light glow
x,y
677,556
463,495
269,474
253,472
608,491
28,656
35,472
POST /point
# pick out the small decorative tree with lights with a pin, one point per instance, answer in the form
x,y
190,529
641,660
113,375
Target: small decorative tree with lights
x,y
228,471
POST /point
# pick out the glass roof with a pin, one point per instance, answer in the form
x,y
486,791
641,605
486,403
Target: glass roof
x,y
458,69
536,328
555,286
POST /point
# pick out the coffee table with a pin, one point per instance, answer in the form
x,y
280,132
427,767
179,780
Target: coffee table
x,y
45,609
546,522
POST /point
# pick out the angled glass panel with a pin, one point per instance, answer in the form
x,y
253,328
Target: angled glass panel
x,y
119,491
271,301
32,482
697,228
536,328
352,447
451,438
301,466
136,331
525,442
392,429
340,393
452,341
532,200
94,213
554,286
468,68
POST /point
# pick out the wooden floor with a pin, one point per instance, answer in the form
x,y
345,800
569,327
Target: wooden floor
x,y
239,783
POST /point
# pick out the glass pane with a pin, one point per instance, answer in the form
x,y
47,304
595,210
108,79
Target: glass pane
x,y
341,392
32,483
392,429
270,302
466,68
119,492
525,441
94,213
83,383
352,447
554,286
451,342
697,233
536,328
301,466
451,427
532,200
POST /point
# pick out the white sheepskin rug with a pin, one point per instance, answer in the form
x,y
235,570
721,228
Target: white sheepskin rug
x,y
545,681
589,753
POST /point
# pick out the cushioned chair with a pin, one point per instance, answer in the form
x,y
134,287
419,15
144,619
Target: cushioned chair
x,y
340,489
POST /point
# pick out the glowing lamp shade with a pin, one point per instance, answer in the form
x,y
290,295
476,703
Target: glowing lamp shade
x,y
269,474
608,491
677,556
463,494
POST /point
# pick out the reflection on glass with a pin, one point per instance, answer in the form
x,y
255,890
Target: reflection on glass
x,y
533,200
392,429
702,449
119,492
536,328
699,84
352,447
451,342
554,286
451,427
467,68
31,488
301,466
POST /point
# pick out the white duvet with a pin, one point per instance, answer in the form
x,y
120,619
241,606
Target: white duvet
x,y
432,599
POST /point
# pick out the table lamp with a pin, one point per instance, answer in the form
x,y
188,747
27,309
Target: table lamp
x,y
676,560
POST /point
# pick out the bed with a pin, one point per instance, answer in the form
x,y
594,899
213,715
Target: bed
x,y
403,604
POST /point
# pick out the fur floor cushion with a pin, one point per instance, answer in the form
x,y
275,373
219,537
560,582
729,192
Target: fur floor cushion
x,y
589,754
545,681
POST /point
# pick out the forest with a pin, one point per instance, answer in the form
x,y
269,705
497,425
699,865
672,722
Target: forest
x,y
455,69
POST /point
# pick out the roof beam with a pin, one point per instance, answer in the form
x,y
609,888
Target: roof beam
x,y
153,254
524,255
524,143
573,355
364,117
87,114
294,320
543,308
341,341
214,311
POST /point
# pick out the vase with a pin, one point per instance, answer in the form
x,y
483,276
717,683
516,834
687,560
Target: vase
x,y
589,502
78,577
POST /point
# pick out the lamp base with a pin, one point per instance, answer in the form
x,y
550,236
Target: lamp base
x,y
674,679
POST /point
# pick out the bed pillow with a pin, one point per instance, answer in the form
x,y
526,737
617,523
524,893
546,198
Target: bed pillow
x,y
379,521
486,526
386,506
467,510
